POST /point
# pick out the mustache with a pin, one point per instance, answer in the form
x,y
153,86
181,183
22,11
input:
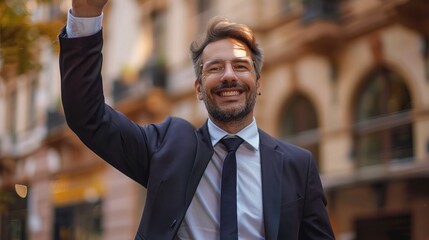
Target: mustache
x,y
228,84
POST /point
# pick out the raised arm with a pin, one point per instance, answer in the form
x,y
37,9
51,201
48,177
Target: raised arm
x,y
108,133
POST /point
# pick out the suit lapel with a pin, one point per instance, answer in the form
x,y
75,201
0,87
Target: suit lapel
x,y
271,167
202,157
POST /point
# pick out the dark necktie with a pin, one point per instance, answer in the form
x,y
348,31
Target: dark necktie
x,y
228,203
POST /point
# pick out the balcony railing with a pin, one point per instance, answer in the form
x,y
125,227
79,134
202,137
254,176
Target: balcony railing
x,y
152,75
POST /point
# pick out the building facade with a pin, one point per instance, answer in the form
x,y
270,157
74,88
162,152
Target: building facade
x,y
346,79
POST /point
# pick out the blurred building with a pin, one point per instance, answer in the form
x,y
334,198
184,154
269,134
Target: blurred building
x,y
347,79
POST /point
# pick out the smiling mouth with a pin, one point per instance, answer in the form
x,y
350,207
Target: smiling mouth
x,y
229,93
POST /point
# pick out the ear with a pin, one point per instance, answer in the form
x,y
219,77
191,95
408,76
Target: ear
x,y
198,89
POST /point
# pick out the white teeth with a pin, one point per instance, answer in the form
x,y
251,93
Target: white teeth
x,y
229,93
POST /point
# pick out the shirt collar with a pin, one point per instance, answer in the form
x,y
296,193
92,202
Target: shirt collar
x,y
249,134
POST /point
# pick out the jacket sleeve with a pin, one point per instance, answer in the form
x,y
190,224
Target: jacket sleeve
x,y
315,221
111,135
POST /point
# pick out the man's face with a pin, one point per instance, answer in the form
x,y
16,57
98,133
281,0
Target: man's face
x,y
228,84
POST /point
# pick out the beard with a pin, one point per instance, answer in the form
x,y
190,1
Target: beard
x,y
230,114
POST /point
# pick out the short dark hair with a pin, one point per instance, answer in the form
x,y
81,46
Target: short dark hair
x,y
221,28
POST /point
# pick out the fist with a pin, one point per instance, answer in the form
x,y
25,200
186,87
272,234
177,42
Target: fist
x,y
87,8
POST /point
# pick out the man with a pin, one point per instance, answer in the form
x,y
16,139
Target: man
x,y
276,190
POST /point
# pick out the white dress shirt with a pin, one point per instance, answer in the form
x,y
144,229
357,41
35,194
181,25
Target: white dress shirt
x,y
203,215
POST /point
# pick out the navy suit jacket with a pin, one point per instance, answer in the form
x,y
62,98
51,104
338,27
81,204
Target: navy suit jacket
x,y
169,158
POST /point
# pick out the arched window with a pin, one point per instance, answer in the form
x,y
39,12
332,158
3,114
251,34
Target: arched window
x,y
382,114
299,124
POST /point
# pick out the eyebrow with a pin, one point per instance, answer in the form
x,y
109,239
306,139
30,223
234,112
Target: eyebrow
x,y
235,60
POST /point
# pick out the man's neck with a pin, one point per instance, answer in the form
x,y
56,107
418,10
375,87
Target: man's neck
x,y
233,127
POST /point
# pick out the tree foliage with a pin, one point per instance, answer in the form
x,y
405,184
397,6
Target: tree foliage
x,y
19,36
19,45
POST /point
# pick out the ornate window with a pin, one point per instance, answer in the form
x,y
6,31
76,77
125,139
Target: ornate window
x,y
299,124
316,10
382,114
82,220
13,214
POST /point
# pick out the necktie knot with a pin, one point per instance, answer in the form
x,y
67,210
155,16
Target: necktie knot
x,y
232,143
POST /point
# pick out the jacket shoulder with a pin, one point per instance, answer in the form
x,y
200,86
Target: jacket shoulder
x,y
288,149
174,122
171,128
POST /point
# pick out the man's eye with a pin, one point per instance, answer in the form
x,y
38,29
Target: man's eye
x,y
215,69
241,67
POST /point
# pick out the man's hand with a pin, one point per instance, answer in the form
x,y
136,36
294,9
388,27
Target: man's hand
x,y
87,8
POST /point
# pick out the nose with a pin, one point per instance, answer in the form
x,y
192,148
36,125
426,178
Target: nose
x,y
228,73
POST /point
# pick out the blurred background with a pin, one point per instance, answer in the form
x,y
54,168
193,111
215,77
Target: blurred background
x,y
346,79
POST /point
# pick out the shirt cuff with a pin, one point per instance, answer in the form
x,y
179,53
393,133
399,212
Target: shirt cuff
x,y
82,27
